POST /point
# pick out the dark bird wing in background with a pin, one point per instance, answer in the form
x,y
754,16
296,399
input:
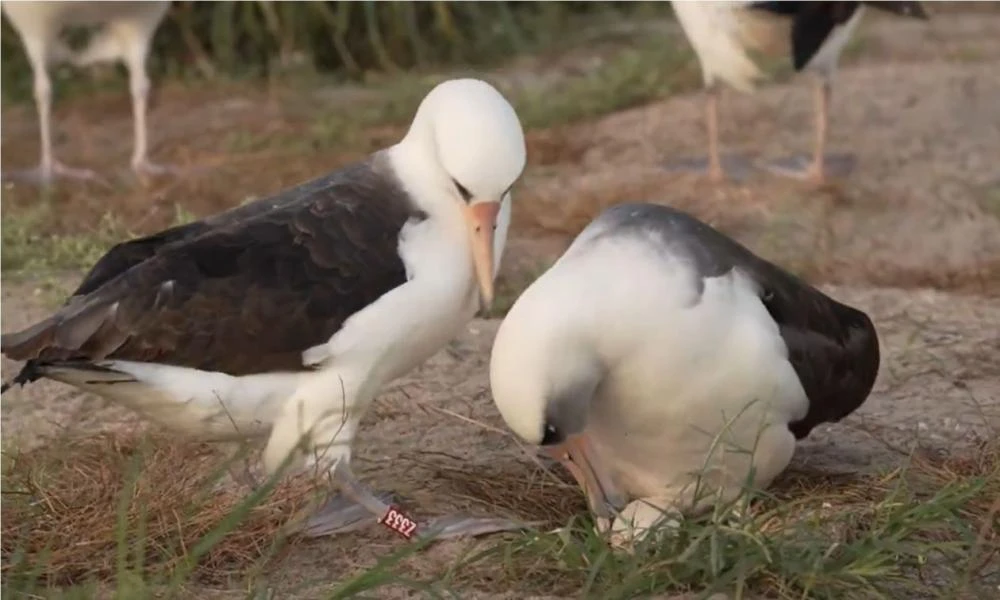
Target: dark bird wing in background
x,y
813,21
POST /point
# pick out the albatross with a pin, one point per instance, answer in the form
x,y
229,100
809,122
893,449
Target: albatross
x,y
667,367
284,317
126,33
814,33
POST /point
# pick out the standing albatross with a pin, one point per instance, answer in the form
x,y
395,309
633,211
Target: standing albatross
x,y
657,349
126,34
814,33
287,315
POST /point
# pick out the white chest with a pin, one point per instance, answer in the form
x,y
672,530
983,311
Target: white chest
x,y
716,371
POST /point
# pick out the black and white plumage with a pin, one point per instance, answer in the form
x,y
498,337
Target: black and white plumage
x,y
685,340
814,34
286,316
125,34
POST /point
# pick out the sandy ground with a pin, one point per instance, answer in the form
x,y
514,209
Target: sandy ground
x,y
913,237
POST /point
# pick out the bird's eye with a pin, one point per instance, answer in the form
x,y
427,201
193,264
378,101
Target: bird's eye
x,y
550,435
462,190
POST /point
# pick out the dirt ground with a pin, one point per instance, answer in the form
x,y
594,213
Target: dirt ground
x,y
912,237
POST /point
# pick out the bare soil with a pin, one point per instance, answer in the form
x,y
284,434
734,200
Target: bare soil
x,y
912,237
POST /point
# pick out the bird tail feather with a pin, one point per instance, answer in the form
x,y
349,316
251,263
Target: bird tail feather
x,y
29,343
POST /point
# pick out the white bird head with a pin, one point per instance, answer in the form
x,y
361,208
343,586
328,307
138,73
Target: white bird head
x,y
475,144
544,375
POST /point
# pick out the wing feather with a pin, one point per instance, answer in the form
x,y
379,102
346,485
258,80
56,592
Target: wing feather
x,y
244,292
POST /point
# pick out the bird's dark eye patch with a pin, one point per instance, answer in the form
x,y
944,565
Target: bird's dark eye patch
x,y
465,193
551,435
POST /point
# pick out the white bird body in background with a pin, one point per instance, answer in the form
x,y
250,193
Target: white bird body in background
x,y
814,34
125,34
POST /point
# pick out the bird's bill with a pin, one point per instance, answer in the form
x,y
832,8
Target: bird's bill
x,y
482,221
577,454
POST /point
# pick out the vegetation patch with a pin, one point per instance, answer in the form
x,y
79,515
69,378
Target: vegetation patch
x,y
148,509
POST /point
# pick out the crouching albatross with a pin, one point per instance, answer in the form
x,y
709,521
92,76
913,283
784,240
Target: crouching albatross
x,y
285,316
658,356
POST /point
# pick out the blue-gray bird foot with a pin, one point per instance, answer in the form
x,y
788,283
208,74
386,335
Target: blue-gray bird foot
x,y
732,167
459,526
342,515
42,175
804,168
146,167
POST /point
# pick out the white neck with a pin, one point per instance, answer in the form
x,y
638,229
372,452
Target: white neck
x,y
414,161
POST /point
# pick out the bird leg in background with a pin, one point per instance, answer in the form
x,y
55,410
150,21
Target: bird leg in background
x,y
820,165
358,507
49,168
139,89
715,172
714,166
821,91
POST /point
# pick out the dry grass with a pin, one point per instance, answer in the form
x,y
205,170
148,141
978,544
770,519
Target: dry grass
x,y
96,509
69,508
547,497
926,529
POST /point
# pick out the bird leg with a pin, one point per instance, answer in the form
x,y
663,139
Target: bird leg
x,y
358,507
354,508
821,93
240,468
135,61
715,172
736,167
48,168
821,165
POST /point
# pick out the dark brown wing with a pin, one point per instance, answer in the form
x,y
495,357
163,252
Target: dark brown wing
x,y
126,255
832,347
239,295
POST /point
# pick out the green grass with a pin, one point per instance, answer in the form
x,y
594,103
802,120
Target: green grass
x,y
346,40
26,248
916,531
642,73
650,67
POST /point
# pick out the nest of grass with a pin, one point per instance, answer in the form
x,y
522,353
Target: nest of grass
x,y
549,498
928,503
71,510
552,497
850,506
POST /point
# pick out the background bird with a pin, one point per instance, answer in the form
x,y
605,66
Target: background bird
x,y
689,372
125,33
723,34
